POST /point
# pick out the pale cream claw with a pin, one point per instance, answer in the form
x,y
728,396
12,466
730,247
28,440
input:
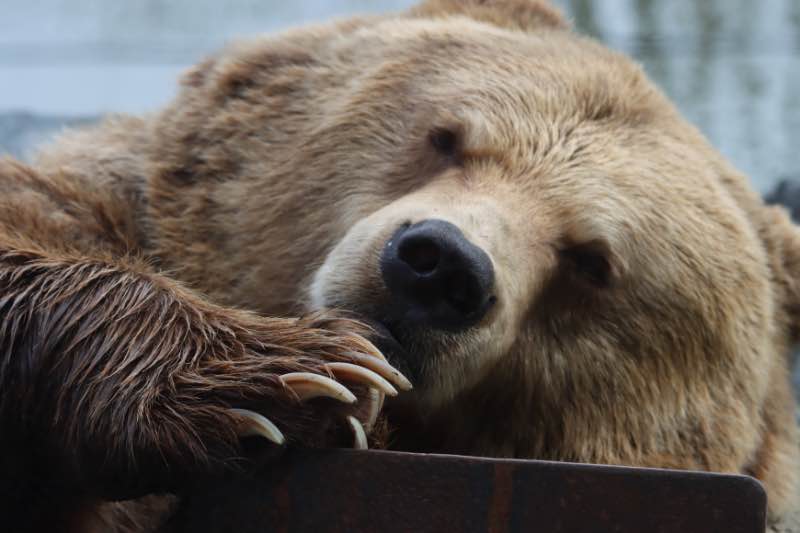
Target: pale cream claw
x,y
351,372
384,369
376,398
254,424
307,386
359,435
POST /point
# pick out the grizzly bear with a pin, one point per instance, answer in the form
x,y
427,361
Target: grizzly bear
x,y
562,266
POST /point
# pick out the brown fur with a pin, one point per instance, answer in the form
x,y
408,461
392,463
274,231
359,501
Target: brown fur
x,y
116,379
271,184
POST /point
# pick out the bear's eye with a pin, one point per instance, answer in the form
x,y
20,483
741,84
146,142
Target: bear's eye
x,y
590,262
445,141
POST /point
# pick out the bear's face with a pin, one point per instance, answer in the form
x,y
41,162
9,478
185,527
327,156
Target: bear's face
x,y
607,229
584,228
562,265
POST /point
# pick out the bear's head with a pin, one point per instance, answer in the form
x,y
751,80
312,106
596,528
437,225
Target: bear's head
x,y
561,264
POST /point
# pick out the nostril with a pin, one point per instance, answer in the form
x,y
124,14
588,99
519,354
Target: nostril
x,y
421,254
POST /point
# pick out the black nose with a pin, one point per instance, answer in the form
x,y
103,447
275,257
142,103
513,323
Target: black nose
x,y
436,276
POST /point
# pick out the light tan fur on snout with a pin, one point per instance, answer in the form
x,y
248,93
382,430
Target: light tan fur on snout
x,y
275,179
486,211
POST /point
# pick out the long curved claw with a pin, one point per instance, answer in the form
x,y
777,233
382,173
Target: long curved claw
x,y
307,386
351,372
384,369
359,435
376,398
254,424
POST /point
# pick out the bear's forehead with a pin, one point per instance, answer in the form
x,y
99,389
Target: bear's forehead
x,y
520,85
569,119
468,54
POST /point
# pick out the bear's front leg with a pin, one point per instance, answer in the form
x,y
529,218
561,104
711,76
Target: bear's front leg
x,y
118,382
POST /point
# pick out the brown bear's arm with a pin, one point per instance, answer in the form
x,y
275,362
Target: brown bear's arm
x,y
116,380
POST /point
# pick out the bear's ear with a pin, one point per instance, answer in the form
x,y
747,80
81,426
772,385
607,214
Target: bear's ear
x,y
781,239
525,15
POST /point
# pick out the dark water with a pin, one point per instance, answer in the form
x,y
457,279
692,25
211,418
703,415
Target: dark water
x,y
732,66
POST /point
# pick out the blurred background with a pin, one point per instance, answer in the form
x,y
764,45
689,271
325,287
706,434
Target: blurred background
x,y
732,66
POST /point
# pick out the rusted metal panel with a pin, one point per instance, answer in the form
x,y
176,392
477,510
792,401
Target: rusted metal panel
x,y
350,491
